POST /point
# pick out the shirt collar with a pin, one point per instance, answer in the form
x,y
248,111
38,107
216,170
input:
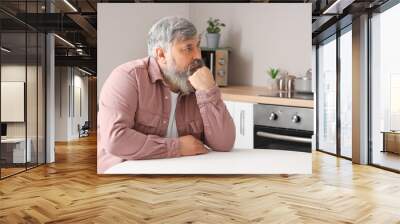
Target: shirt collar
x,y
154,70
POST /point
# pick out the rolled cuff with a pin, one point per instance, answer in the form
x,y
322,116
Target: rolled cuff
x,y
172,145
206,96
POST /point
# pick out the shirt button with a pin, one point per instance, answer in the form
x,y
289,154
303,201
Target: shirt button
x,y
164,122
166,97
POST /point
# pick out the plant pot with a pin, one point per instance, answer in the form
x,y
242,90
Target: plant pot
x,y
212,40
273,85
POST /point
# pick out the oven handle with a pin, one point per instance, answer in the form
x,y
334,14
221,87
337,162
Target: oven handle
x,y
283,137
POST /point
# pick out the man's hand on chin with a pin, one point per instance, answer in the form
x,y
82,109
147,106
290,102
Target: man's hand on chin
x,y
189,146
202,79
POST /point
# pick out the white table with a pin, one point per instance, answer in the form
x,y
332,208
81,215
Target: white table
x,y
19,149
237,161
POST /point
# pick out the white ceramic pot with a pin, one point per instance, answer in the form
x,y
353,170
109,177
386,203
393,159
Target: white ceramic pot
x,y
212,40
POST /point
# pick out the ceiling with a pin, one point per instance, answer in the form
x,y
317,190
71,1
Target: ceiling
x,y
76,22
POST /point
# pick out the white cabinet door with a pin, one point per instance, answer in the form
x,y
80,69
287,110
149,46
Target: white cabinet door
x,y
242,114
230,105
244,125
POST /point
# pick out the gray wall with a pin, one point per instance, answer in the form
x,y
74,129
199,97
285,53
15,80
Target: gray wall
x,y
122,32
67,80
261,35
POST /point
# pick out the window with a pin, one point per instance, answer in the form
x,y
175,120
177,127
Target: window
x,y
385,89
22,77
346,93
327,96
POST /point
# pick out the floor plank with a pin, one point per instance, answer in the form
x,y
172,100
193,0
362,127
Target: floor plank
x,y
387,159
70,191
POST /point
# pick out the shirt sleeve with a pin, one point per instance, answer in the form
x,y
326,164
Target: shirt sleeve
x,y
117,108
219,129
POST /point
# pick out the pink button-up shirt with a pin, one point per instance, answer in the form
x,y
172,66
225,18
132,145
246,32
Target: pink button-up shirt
x,y
134,110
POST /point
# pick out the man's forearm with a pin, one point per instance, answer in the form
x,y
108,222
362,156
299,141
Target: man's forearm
x,y
122,141
219,128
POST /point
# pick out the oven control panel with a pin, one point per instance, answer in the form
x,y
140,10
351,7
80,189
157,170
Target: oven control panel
x,y
284,117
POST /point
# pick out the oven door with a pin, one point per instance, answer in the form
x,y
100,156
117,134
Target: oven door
x,y
282,139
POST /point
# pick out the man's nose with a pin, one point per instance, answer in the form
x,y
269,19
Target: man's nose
x,y
197,54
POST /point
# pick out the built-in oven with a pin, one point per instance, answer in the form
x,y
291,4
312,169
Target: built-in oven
x,y
217,60
283,128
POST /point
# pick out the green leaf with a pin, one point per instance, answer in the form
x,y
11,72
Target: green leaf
x,y
273,72
214,25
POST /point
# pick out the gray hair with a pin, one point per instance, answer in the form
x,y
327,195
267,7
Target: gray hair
x,y
166,30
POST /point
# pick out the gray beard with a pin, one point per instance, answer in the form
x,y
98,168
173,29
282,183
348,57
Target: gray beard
x,y
178,79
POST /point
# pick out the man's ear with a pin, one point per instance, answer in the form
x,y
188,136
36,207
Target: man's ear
x,y
161,55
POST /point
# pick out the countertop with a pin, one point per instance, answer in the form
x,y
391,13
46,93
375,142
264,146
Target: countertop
x,y
252,94
237,161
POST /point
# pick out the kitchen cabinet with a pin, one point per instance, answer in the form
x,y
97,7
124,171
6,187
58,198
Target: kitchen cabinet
x,y
242,115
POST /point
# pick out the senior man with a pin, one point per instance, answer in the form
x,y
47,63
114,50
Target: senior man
x,y
164,105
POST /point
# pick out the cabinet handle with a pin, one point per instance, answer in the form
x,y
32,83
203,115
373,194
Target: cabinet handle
x,y
242,122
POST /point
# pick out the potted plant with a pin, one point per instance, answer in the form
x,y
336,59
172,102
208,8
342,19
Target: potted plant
x,y
273,73
213,35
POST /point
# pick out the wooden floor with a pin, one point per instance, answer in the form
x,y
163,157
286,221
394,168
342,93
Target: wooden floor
x,y
10,171
70,191
387,159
